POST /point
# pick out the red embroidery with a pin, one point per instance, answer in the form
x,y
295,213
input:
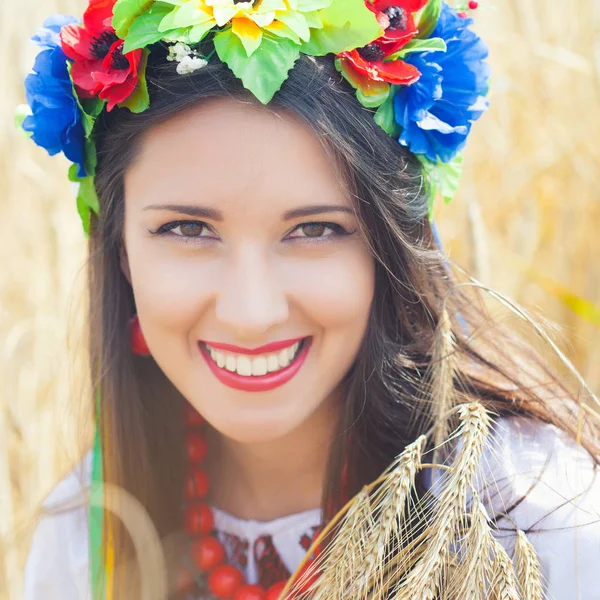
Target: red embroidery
x,y
271,569
306,540
236,550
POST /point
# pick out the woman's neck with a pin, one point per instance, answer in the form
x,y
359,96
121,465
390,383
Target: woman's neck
x,y
274,479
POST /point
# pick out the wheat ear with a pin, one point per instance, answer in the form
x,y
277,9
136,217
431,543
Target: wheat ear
x,y
425,580
503,583
388,532
441,376
528,569
341,559
475,568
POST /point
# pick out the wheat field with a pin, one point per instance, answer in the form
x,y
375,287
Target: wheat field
x,y
525,223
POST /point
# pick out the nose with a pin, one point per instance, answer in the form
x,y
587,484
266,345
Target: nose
x,y
251,300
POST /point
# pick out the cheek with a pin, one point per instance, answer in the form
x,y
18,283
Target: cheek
x,y
336,292
171,290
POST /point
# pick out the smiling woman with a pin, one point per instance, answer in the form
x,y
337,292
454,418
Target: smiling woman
x,y
240,275
296,333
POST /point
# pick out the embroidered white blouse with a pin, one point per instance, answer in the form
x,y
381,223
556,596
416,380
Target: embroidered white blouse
x,y
550,484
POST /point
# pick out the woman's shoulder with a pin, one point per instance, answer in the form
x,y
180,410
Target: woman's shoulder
x,y
537,478
535,464
57,565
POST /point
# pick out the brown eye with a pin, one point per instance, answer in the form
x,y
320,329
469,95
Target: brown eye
x,y
314,229
190,229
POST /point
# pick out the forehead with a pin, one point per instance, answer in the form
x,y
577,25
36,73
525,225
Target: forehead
x,y
237,154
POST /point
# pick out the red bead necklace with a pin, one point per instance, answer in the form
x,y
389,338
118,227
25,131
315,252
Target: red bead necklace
x,y
225,581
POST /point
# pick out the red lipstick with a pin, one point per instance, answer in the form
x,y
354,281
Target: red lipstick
x,y
257,383
267,349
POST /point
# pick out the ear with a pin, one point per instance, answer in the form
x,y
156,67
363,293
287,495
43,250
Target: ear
x,y
124,262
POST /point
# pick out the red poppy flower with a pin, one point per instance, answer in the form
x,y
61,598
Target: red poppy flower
x,y
99,66
369,61
397,20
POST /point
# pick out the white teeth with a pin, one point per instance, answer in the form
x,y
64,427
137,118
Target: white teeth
x,y
244,366
221,359
283,358
260,365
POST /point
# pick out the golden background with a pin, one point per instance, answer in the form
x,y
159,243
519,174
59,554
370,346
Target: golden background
x,y
526,222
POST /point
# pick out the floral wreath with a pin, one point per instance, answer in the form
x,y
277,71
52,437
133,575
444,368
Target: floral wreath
x,y
415,63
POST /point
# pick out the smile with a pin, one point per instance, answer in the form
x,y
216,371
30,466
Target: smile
x,y
255,372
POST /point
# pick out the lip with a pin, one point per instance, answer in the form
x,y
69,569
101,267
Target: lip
x,y
261,383
273,347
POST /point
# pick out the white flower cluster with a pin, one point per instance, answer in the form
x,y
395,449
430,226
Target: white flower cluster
x,y
189,60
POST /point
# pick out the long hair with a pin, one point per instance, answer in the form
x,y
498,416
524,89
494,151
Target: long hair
x,y
389,397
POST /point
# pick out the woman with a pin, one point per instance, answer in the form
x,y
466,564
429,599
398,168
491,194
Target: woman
x,y
272,322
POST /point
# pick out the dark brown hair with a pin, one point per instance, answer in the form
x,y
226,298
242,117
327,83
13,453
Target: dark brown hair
x,y
387,403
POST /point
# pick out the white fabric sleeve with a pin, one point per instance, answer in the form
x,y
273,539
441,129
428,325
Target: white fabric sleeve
x,y
57,565
549,487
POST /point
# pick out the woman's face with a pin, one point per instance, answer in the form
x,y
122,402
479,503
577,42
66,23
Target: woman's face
x,y
240,234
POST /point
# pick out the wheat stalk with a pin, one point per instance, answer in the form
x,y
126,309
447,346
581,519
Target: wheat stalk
x,y
475,569
393,495
528,569
341,559
503,583
425,580
441,374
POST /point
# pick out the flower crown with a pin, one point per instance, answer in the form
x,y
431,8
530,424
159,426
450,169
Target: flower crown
x,y
415,63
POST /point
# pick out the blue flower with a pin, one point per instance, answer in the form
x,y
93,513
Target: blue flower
x,y
55,122
436,113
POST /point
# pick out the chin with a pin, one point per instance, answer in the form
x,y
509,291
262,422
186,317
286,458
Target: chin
x,y
261,432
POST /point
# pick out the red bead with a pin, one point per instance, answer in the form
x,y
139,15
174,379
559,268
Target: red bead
x,y
196,447
199,519
184,581
463,14
250,592
473,4
192,417
224,581
137,339
274,592
208,553
196,486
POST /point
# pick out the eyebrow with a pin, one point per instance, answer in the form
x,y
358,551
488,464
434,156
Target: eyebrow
x,y
216,215
190,211
307,211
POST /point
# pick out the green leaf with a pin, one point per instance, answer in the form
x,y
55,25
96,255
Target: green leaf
x,y
143,31
21,113
347,24
125,12
444,178
429,45
308,5
92,106
385,116
264,72
429,17
297,23
90,161
370,93
139,101
87,198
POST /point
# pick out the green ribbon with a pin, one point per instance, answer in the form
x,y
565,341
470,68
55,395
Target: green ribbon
x,y
96,516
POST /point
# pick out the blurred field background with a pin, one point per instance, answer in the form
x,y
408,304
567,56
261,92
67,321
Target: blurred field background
x,y
526,222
